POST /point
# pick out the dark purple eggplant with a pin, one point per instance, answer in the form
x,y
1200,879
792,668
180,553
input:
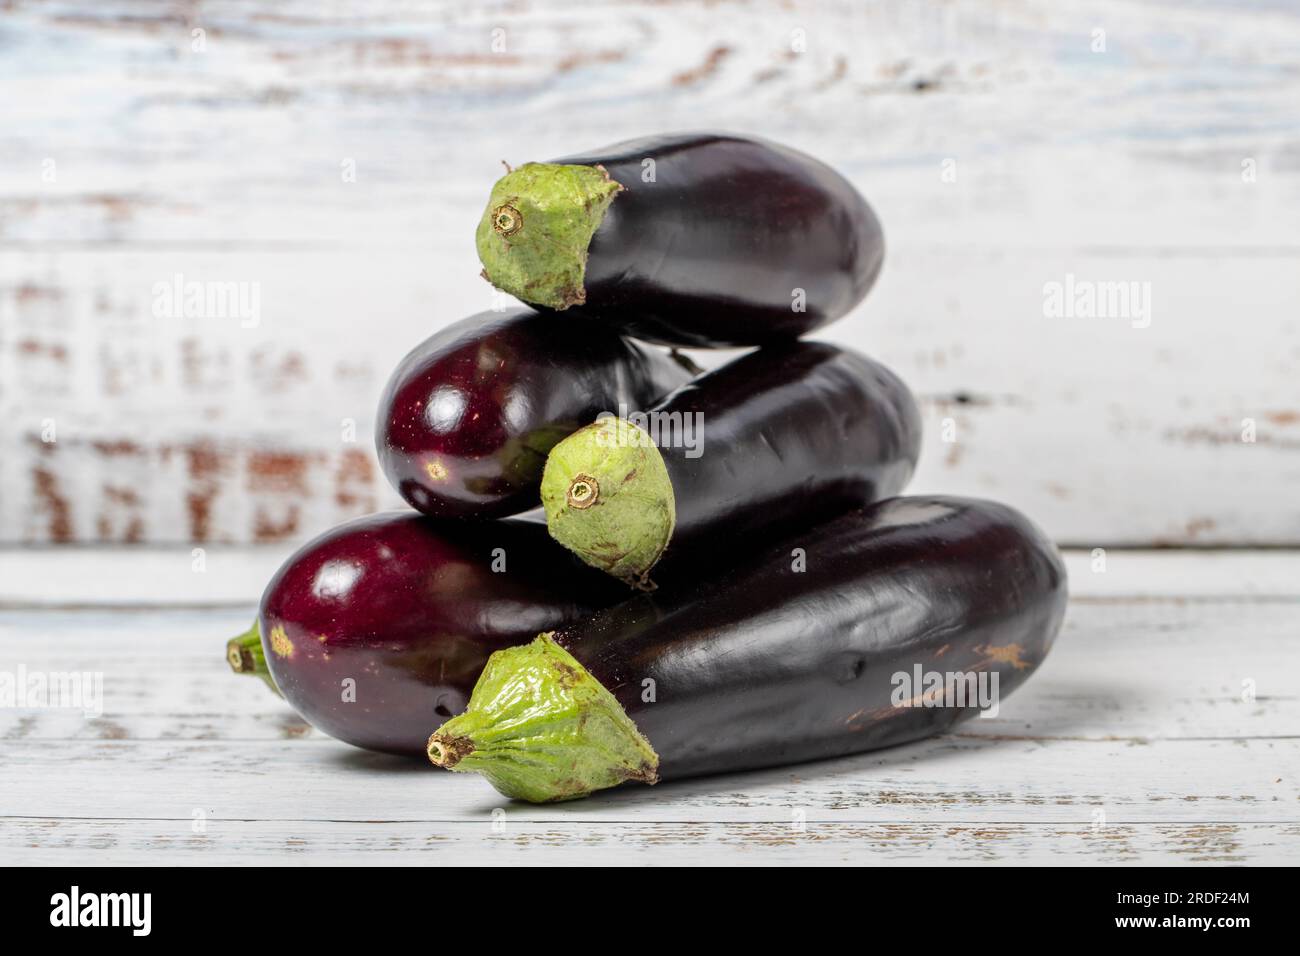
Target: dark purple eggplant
x,y
377,630
469,415
882,626
703,239
778,439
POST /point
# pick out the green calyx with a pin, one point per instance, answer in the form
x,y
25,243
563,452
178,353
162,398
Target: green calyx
x,y
245,655
609,499
534,234
542,729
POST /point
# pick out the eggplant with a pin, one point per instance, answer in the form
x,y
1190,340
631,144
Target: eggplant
x,y
777,439
376,631
879,627
703,239
468,416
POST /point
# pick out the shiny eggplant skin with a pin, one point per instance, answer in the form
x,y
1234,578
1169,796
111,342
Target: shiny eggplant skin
x,y
468,416
769,665
712,252
792,434
409,609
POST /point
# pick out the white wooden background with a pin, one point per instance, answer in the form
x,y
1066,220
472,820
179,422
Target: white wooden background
x,y
127,156
1161,729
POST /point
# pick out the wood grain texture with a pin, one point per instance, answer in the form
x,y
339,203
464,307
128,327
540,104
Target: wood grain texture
x,y
1002,151
1161,729
528,843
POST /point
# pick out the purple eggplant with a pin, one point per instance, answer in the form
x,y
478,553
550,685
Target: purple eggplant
x,y
704,240
377,630
882,626
776,440
469,415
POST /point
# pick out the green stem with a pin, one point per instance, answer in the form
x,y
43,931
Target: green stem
x,y
534,234
246,656
609,499
541,728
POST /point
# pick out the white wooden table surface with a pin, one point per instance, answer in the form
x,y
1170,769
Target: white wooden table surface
x,y
1164,728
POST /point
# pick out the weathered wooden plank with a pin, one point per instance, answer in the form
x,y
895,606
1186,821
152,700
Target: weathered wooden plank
x,y
1003,151
969,779
514,843
136,427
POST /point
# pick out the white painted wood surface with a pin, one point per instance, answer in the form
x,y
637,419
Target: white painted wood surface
x,y
128,157
1161,729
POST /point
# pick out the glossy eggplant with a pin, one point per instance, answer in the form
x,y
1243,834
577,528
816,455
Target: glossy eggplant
x,y
775,440
467,418
703,240
377,630
882,626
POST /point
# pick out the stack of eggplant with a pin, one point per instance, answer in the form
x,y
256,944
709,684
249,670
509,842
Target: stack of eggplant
x,y
725,577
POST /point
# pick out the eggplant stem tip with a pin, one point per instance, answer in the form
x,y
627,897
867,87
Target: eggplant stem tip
x,y
445,751
583,492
